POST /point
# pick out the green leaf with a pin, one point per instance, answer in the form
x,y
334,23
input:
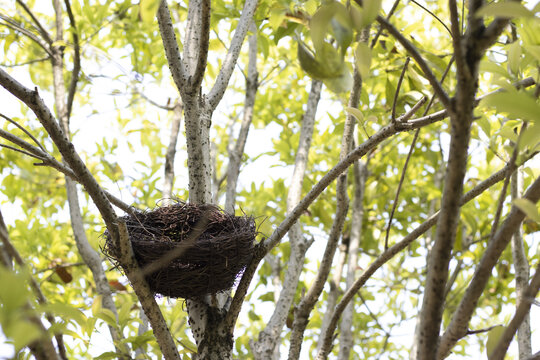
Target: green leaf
x,y
518,105
107,355
65,311
276,17
149,9
364,16
108,316
363,59
22,333
528,207
269,296
514,57
333,13
356,113
530,137
493,339
96,305
340,84
505,10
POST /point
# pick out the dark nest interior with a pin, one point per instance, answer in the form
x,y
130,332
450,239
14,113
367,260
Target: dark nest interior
x,y
186,250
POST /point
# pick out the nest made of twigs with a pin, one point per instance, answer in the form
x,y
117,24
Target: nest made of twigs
x,y
186,250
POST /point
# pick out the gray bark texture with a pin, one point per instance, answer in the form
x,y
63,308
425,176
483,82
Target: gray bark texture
x,y
270,337
521,268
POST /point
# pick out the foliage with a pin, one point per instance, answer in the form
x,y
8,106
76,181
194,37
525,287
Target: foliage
x,y
120,127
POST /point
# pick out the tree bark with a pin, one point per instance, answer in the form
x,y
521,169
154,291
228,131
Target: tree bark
x,y
270,337
521,268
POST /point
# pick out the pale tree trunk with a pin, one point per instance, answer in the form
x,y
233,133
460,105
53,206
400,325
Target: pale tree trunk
x,y
335,290
307,304
270,337
88,254
521,268
214,337
235,154
346,336
168,182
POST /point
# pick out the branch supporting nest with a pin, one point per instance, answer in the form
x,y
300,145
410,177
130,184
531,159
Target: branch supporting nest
x,y
187,250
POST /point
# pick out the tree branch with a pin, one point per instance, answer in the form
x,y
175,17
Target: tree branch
x,y
235,155
398,247
463,314
18,27
269,338
176,65
222,81
40,28
437,87
76,60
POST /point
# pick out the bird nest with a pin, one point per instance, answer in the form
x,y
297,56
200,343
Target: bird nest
x,y
186,250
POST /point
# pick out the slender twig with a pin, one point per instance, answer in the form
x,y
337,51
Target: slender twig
x,y
9,22
76,59
40,27
24,63
23,130
432,14
415,54
481,331
396,93
411,149
21,151
379,32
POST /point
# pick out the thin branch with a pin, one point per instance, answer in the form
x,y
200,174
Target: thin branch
x,y
432,14
413,51
23,130
502,196
40,27
504,235
29,62
9,22
76,60
461,317
222,81
308,302
269,243
379,32
396,93
411,149
398,247
252,84
19,150
456,35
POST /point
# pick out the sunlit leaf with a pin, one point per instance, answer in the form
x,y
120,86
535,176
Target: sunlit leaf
x,y
363,59
528,207
493,339
517,104
149,9
509,9
514,57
